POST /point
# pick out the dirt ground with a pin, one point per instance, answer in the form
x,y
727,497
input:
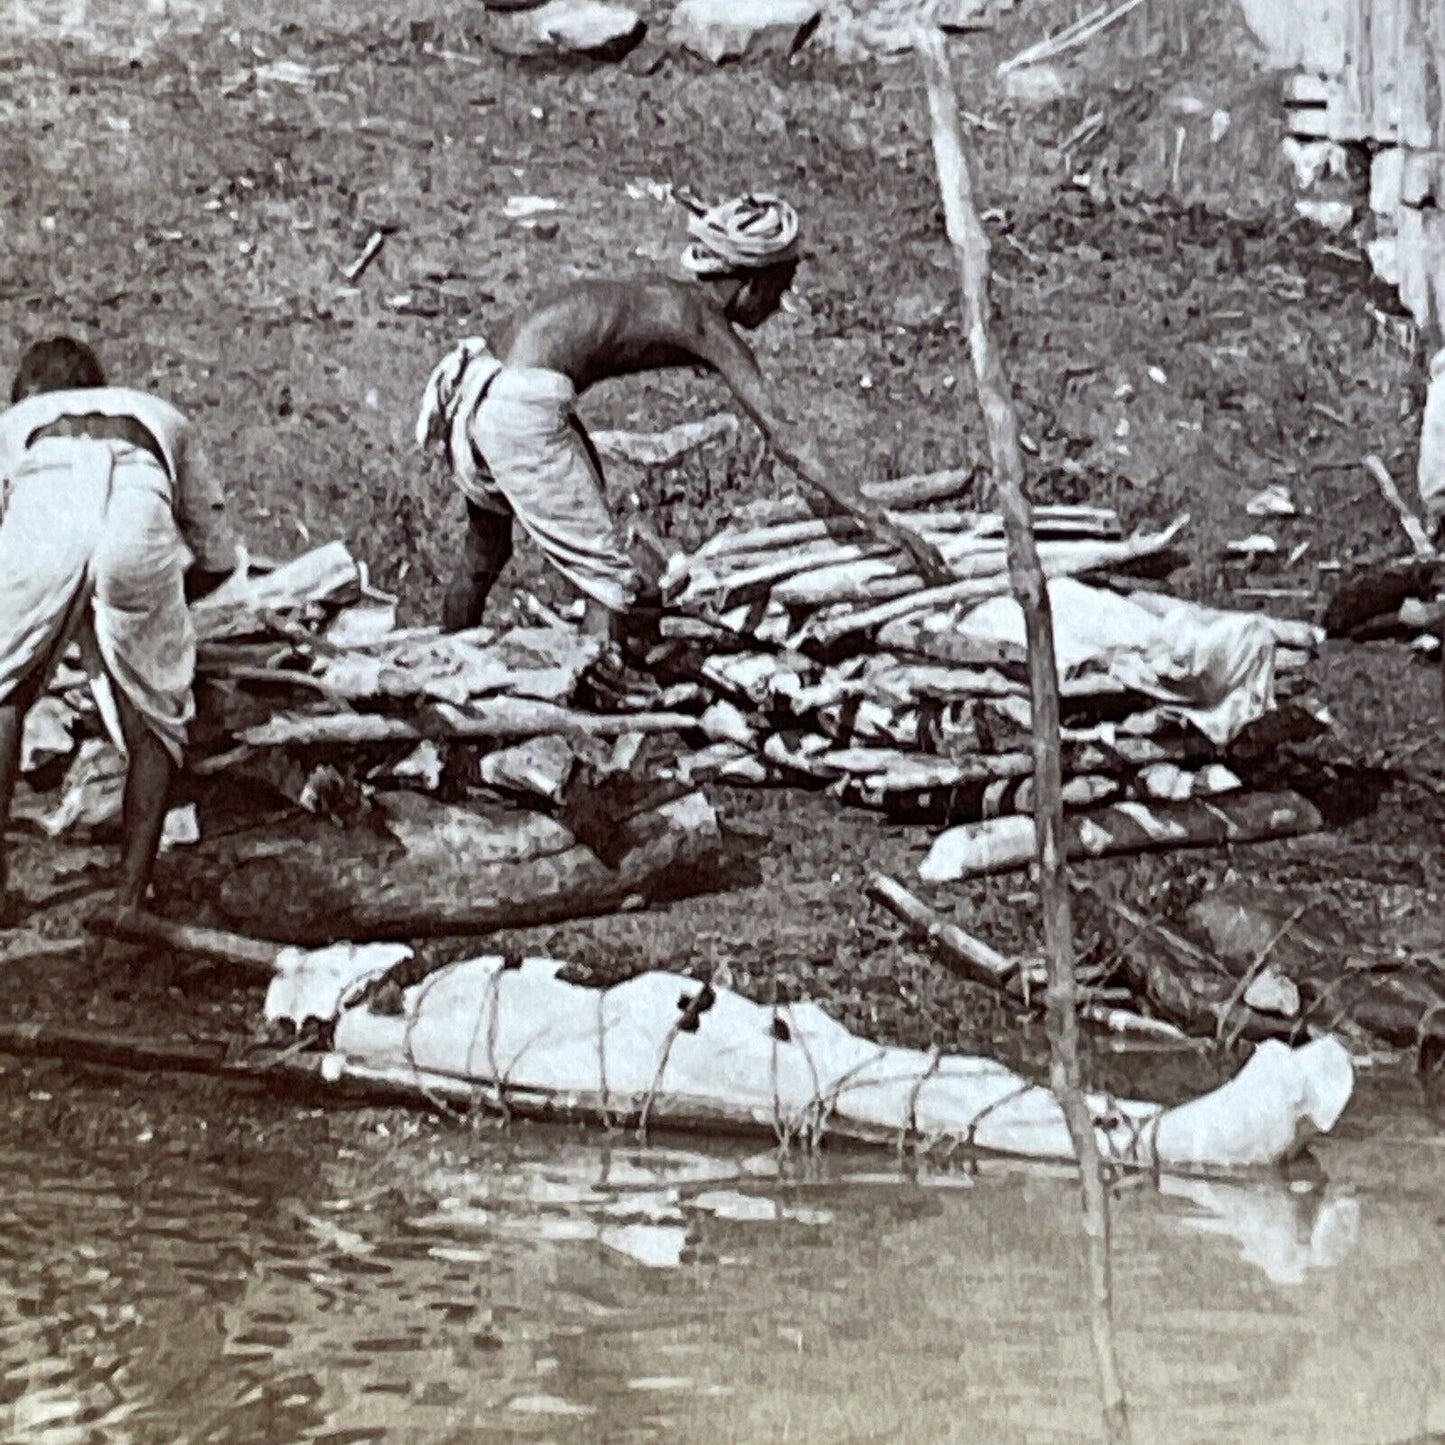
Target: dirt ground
x,y
1176,339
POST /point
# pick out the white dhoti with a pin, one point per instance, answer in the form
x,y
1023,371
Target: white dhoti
x,y
538,468
90,551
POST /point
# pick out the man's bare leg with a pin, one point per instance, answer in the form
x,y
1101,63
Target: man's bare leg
x,y
12,721
148,783
487,550
12,733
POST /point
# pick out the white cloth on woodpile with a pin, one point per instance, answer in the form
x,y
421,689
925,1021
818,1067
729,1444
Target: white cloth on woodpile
x,y
1432,441
467,367
517,447
1214,669
199,500
746,233
90,550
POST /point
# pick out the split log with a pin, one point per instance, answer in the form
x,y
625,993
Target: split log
x,y
357,887
539,767
1002,845
241,605
900,493
480,837
497,719
1169,783
942,793
737,547
968,956
814,757
533,663
733,545
1079,792
1077,561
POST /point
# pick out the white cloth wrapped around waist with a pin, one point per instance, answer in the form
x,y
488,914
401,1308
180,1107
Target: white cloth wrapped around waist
x,y
90,551
521,449
1431,466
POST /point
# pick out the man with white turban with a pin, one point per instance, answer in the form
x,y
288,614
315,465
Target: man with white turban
x,y
505,419
110,522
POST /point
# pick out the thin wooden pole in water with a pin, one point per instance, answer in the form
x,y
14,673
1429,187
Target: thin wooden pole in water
x,y
970,245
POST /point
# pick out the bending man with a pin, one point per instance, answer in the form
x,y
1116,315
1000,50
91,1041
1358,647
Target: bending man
x,y
108,526
506,420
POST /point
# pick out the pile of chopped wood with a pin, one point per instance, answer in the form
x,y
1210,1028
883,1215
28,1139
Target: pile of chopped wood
x,y
791,651
831,664
358,777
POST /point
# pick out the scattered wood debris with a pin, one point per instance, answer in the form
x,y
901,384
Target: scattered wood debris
x,y
311,698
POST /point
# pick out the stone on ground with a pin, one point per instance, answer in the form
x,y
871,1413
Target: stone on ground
x,y
592,28
723,30
1038,85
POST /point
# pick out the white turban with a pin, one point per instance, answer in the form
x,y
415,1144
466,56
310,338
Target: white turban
x,y
747,233
443,387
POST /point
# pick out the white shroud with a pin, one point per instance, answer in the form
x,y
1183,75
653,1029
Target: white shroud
x,y
520,1035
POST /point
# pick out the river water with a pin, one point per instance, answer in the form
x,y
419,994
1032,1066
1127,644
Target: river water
x,y
193,1263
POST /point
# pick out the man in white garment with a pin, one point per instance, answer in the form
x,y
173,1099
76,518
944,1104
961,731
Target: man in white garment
x,y
110,525
506,424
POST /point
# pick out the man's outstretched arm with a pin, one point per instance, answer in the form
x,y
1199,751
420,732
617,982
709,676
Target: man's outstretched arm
x,y
720,347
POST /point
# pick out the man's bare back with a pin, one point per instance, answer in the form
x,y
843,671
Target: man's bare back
x,y
593,331
589,331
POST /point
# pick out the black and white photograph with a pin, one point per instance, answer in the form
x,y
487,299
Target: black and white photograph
x,y
722,722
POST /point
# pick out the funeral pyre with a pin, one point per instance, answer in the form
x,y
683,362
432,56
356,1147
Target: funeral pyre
x,y
830,663
349,777
788,651
353,778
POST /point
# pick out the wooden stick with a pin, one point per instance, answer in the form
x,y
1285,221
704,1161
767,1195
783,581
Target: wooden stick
x,y
235,949
358,268
505,718
970,244
1070,37
974,960
315,1075
1414,529
966,955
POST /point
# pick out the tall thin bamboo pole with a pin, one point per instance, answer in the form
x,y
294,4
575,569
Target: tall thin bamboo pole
x,y
1026,576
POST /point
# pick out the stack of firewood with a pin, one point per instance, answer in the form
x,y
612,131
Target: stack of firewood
x,y
791,652
829,662
350,777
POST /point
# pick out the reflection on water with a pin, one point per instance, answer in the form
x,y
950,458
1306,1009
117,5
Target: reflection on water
x,y
199,1266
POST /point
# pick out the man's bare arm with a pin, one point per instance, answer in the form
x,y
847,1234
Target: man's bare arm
x,y
720,347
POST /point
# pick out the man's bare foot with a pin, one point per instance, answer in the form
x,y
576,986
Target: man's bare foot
x,y
14,909
112,915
